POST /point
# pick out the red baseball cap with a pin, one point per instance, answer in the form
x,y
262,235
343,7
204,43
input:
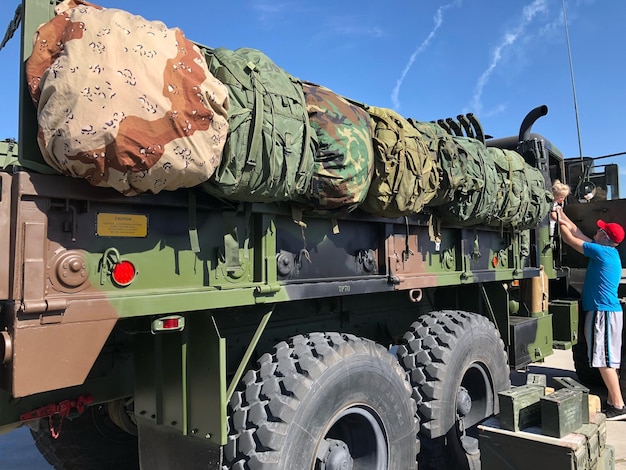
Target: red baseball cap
x,y
614,231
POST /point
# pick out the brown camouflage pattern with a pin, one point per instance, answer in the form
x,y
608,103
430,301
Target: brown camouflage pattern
x,y
124,102
344,157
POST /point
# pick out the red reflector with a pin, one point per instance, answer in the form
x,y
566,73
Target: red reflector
x,y
123,273
169,323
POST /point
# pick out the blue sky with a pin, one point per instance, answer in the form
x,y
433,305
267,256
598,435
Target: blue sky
x,y
426,59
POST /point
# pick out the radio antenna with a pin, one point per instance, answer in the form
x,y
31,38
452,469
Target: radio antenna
x,y
571,72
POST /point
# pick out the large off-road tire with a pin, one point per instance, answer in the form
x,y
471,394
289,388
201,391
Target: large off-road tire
x,y
323,401
90,441
457,364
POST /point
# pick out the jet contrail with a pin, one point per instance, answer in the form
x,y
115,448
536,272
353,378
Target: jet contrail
x,y
529,12
438,19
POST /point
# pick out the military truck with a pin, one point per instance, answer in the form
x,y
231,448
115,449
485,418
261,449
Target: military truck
x,y
182,330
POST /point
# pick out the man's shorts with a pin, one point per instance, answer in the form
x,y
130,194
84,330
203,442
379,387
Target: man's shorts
x,y
603,332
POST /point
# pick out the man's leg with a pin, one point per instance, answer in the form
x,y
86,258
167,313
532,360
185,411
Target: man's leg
x,y
611,380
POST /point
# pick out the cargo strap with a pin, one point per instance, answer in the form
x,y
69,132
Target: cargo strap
x,y
476,246
407,253
12,27
255,143
231,242
193,223
232,257
434,230
296,215
29,165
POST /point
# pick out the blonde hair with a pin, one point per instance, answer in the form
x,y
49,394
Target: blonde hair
x,y
560,189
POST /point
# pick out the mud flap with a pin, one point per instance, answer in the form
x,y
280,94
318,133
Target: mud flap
x,y
165,448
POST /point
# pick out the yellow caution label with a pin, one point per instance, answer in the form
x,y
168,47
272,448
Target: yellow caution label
x,y
121,225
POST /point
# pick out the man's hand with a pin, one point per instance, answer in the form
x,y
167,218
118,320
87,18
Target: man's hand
x,y
565,221
556,213
572,240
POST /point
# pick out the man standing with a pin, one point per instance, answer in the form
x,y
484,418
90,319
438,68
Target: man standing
x,y
603,318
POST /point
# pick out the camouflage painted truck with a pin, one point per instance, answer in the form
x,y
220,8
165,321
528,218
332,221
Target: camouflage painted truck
x,y
191,328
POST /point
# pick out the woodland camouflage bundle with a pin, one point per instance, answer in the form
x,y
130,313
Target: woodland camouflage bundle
x,y
130,104
344,157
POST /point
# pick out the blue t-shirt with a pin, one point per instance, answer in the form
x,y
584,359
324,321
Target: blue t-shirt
x,y
602,278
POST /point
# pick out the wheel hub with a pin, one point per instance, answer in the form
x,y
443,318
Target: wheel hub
x,y
463,402
337,456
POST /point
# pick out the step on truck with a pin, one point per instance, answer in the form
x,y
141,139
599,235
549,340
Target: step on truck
x,y
179,329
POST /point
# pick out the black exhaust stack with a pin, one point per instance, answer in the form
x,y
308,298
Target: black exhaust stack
x,y
529,120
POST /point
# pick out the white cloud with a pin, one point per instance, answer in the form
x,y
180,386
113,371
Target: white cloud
x,y
269,11
353,26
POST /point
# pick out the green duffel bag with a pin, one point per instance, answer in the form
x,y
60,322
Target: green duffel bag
x,y
477,185
492,187
344,158
445,155
268,154
525,200
405,172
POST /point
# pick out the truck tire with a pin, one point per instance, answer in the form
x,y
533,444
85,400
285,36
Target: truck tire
x,y
457,365
90,441
323,401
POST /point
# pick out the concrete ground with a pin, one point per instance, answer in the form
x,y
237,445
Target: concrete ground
x,y
560,364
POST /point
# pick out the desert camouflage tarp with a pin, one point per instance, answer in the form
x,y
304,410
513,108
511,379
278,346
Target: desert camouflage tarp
x,y
268,155
124,102
344,158
405,173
